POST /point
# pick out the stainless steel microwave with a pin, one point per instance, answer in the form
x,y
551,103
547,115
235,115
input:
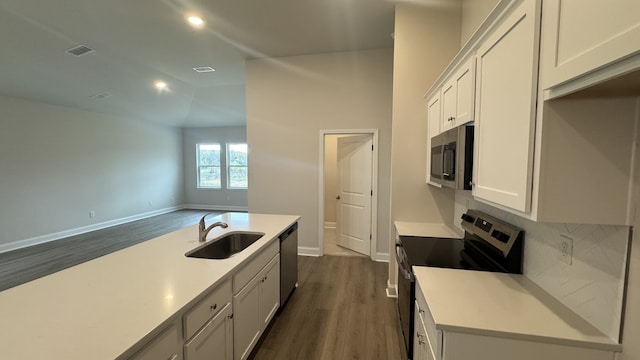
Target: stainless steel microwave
x,y
452,158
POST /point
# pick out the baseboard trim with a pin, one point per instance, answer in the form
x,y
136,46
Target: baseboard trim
x,y
392,290
217,207
15,245
308,251
382,257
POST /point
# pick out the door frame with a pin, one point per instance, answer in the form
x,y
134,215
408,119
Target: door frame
x,y
374,184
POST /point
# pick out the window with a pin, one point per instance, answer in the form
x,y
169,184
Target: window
x,y
208,166
237,174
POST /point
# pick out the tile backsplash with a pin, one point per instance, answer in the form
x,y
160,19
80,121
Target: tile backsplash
x,y
593,284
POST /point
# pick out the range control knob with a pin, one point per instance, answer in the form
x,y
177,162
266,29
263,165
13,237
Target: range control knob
x,y
467,218
500,236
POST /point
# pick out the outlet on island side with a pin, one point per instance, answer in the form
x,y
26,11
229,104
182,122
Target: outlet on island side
x,y
92,214
566,249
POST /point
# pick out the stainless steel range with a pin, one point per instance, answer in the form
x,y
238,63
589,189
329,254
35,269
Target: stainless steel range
x,y
489,244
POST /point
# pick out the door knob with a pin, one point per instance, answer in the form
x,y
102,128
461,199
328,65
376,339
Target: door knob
x,y
338,197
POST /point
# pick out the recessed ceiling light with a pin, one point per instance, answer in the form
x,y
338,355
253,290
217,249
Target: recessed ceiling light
x,y
195,21
160,85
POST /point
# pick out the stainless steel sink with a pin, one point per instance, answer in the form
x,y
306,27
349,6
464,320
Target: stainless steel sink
x,y
225,246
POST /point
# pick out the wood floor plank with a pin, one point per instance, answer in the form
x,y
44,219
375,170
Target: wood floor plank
x,y
339,311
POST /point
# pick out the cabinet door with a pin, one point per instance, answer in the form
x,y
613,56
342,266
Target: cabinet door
x,y
433,115
165,346
458,96
448,97
247,324
215,340
465,82
505,109
270,291
420,351
583,35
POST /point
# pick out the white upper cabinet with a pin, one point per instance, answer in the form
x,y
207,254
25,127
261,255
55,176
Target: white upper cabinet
x,y
582,36
434,115
506,107
457,96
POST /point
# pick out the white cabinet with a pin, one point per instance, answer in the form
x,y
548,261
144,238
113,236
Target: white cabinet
x,y
214,340
457,96
270,291
580,36
505,108
255,305
434,115
435,344
165,346
208,326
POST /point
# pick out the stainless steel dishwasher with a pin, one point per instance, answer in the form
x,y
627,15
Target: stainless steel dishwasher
x,y
288,263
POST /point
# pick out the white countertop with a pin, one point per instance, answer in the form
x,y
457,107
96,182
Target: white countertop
x,y
440,230
505,305
99,309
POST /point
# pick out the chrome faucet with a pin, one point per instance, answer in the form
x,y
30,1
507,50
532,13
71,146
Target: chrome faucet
x,y
202,232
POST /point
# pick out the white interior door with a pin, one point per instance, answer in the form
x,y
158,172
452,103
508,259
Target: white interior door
x,y
355,158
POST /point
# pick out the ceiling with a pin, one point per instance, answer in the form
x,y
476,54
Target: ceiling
x,y
138,42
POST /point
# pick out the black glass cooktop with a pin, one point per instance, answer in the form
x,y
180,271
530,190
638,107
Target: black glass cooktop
x,y
435,252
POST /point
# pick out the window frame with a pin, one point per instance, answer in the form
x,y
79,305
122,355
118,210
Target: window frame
x,y
229,166
198,166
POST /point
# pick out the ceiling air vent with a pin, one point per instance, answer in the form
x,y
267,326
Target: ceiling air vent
x,y
204,69
102,95
79,50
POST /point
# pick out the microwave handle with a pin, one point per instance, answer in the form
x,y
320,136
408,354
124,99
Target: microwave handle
x,y
444,151
443,174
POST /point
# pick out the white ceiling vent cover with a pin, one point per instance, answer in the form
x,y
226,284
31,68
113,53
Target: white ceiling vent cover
x,y
204,69
102,95
79,50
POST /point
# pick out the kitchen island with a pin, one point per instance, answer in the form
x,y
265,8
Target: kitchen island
x,y
107,307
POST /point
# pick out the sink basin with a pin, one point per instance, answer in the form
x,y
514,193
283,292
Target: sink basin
x,y
225,246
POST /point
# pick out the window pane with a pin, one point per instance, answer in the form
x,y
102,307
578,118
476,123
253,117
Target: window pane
x,y
238,177
238,155
209,154
209,176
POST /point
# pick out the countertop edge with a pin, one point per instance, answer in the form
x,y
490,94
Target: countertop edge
x,y
613,346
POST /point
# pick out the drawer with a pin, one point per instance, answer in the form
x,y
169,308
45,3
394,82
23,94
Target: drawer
x,y
165,346
434,335
207,308
249,270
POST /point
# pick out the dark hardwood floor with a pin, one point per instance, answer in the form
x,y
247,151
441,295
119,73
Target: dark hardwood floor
x,y
339,311
26,264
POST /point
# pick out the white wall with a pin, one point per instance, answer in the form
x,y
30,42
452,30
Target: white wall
x,y
289,101
215,199
58,163
473,14
426,39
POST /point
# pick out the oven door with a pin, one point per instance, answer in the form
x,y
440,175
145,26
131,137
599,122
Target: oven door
x,y
406,296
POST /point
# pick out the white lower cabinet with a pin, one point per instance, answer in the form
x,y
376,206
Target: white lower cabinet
x,y
165,346
215,340
254,306
435,344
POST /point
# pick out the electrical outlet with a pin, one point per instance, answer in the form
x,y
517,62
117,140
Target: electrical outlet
x,y
92,214
150,203
566,249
